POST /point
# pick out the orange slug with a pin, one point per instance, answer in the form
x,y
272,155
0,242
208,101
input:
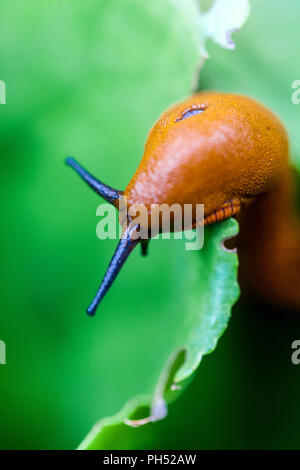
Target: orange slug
x,y
231,154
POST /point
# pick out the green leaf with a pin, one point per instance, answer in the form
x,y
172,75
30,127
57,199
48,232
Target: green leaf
x,y
209,289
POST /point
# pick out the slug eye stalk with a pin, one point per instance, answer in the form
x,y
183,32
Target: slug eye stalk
x,y
126,244
109,194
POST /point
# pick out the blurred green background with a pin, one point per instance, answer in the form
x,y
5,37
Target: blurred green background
x,y
88,79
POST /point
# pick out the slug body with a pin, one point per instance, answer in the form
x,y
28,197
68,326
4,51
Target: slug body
x,y
234,149
222,150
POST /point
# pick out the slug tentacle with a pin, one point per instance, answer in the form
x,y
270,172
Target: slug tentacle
x,y
144,247
109,194
123,250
